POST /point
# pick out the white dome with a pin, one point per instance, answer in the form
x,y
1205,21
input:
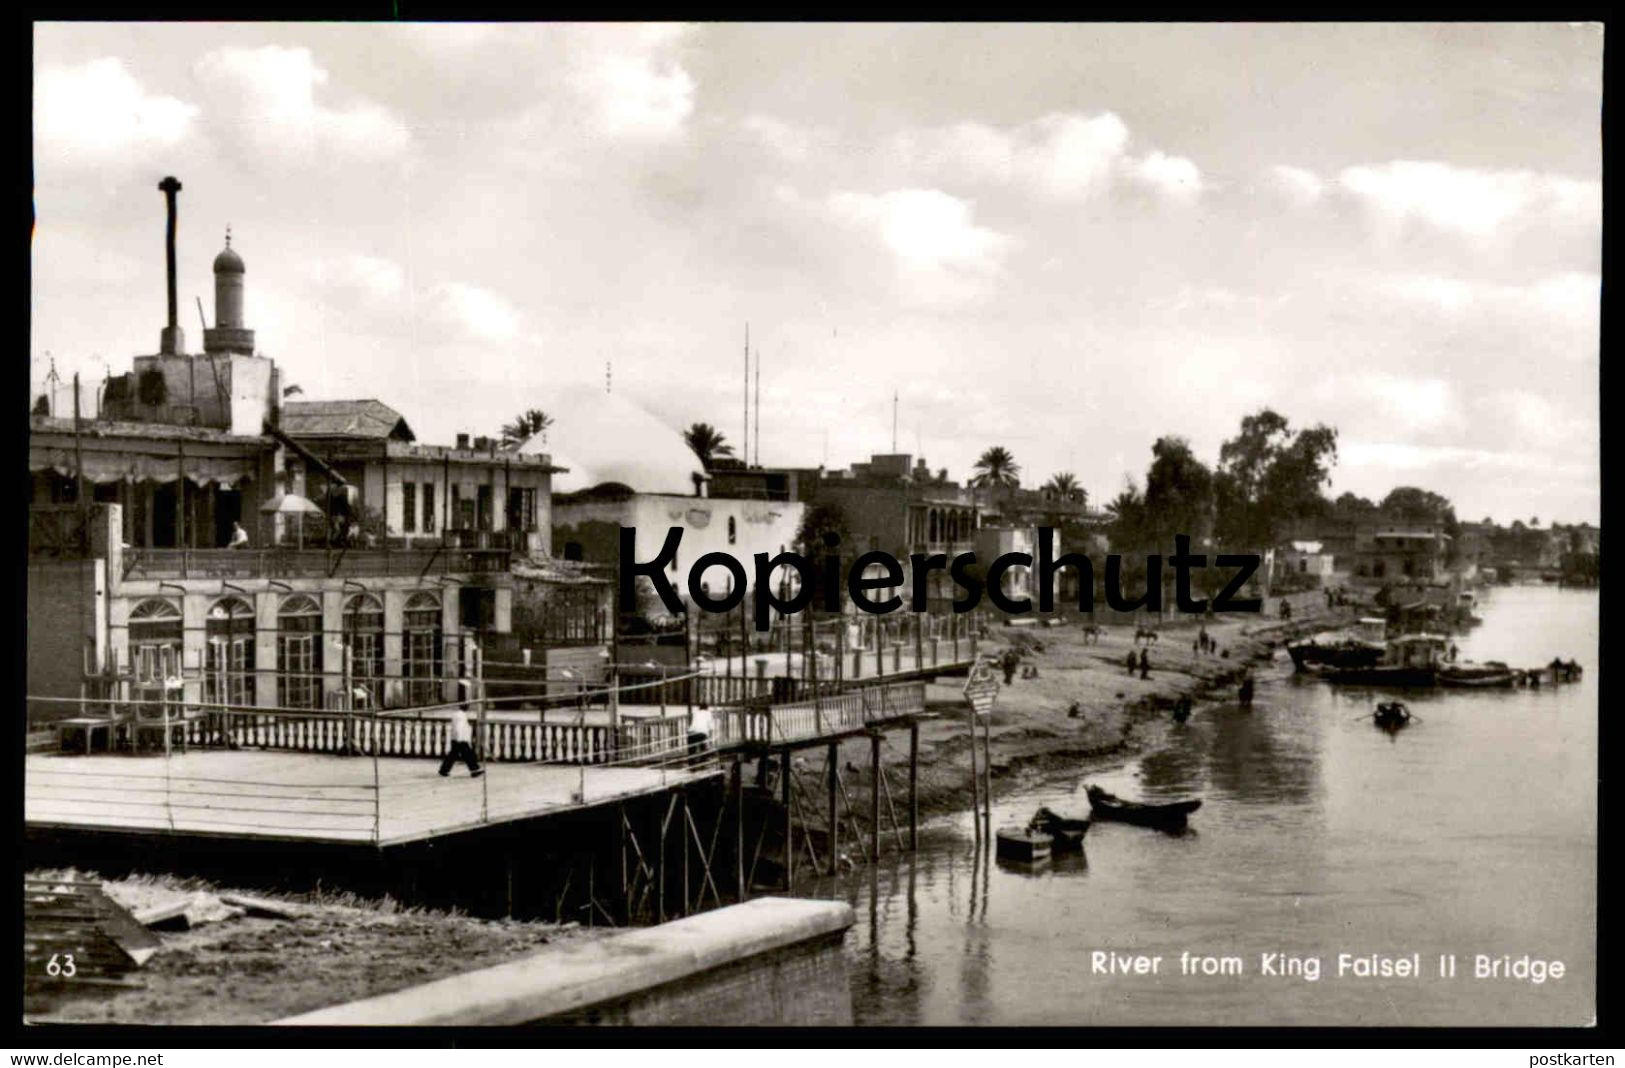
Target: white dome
x,y
607,437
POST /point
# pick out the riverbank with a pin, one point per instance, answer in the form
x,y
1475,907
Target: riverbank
x,y
1031,729
250,969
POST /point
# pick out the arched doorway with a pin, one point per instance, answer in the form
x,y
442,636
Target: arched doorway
x,y
229,653
299,651
155,646
364,638
421,624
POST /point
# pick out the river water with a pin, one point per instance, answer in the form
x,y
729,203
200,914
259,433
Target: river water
x,y
1471,832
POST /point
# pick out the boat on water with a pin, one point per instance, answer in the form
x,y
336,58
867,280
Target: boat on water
x,y
1066,832
1391,715
1408,661
1170,816
1359,647
1023,844
1492,674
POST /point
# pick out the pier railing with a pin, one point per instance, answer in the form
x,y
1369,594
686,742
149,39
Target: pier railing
x,y
814,718
423,732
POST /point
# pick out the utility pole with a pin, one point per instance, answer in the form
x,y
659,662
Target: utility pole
x,y
758,429
894,422
744,451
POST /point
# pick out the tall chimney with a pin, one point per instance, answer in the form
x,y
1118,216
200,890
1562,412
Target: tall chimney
x,y
173,342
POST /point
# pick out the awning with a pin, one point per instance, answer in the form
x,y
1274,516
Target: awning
x,y
114,467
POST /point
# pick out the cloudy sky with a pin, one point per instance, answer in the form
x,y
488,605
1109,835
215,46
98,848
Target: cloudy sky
x,y
1068,240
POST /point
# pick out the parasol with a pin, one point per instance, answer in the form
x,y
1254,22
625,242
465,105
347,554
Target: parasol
x,y
291,504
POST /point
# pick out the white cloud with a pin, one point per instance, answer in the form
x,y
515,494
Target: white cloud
x,y
1537,422
942,255
98,108
631,77
1062,155
479,313
1174,176
1574,297
1301,186
1463,200
270,98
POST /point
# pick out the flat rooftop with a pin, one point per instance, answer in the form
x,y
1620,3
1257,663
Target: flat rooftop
x,y
310,797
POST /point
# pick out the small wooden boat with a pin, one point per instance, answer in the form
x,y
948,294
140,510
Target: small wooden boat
x,y
1165,817
1391,715
1477,676
1022,844
1066,833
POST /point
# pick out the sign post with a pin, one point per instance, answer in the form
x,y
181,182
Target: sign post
x,y
981,692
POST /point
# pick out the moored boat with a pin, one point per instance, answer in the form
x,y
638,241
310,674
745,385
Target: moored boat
x,y
1022,844
1066,833
1166,817
1490,675
1356,648
1410,660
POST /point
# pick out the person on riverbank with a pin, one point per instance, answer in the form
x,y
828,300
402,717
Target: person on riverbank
x,y
1246,694
462,746
1145,664
1132,661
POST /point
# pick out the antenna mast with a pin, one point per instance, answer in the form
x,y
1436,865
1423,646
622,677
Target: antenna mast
x,y
744,452
894,422
758,428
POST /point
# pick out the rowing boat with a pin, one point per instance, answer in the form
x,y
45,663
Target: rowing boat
x,y
1169,816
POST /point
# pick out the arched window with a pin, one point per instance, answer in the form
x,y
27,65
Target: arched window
x,y
421,623
229,664
299,651
733,530
933,527
155,643
364,637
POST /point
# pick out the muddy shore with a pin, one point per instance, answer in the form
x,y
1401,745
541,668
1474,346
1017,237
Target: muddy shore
x,y
1032,733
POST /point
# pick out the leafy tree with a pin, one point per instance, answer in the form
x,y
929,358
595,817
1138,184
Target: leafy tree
x,y
707,443
1269,477
1424,506
997,468
525,425
1179,496
1128,522
42,405
820,519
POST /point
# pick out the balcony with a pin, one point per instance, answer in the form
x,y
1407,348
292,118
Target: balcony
x,y
142,564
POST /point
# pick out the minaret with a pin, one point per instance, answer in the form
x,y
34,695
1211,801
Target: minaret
x,y
228,336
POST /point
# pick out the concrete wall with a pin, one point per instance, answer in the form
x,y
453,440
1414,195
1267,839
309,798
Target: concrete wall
x,y
772,961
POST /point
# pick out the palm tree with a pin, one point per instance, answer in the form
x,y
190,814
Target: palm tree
x,y
525,425
1065,486
707,443
996,467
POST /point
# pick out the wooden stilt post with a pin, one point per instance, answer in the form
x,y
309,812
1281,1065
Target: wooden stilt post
x,y
626,887
913,785
975,789
683,824
739,823
987,770
874,796
834,816
789,821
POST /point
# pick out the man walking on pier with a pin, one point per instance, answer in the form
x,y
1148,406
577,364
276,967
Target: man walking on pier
x,y
462,746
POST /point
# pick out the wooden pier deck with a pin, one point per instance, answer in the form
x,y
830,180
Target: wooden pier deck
x,y
315,797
